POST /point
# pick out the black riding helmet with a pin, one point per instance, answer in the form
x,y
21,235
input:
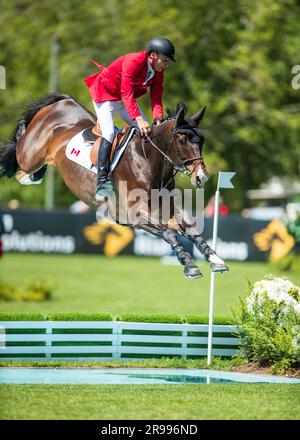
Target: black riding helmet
x,y
163,46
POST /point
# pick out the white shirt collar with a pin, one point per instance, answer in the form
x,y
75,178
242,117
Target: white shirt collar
x,y
150,73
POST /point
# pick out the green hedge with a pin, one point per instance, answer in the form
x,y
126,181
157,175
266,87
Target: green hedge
x,y
22,317
79,317
218,320
126,317
166,319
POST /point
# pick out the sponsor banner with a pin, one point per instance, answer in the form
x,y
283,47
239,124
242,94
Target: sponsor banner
x,y
239,239
62,233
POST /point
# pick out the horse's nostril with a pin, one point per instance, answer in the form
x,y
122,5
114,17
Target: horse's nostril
x,y
199,183
201,180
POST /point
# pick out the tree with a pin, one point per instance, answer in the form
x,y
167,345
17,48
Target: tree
x,y
235,57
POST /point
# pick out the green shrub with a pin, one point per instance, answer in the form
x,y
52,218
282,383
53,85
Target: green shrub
x,y
268,323
40,290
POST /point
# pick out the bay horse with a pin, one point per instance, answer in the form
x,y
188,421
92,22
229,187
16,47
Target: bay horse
x,y
44,130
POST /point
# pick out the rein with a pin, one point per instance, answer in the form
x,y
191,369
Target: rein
x,y
158,149
166,158
177,167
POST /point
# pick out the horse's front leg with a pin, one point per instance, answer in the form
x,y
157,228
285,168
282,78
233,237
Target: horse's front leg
x,y
182,227
149,224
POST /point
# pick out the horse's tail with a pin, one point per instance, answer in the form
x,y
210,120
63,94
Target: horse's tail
x,y
8,158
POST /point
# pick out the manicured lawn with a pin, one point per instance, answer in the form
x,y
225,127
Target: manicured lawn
x,y
186,401
217,363
86,283
94,284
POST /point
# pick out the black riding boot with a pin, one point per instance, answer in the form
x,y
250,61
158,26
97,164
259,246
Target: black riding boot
x,y
104,183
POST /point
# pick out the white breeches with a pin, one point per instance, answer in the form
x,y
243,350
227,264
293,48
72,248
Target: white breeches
x,y
105,114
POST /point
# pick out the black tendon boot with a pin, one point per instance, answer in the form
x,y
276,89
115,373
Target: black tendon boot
x,y
104,183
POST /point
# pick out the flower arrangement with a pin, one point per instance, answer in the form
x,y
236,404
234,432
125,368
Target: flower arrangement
x,y
269,323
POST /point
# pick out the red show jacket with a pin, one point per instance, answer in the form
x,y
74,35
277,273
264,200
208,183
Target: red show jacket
x,y
123,80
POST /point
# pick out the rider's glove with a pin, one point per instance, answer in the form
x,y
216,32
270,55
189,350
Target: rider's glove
x,y
157,121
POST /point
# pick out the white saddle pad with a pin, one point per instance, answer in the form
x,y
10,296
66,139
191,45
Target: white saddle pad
x,y
78,151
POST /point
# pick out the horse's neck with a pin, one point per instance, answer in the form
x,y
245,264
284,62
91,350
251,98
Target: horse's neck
x,y
162,136
160,165
143,154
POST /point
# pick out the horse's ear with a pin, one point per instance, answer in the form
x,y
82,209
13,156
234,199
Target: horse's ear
x,y
199,116
180,117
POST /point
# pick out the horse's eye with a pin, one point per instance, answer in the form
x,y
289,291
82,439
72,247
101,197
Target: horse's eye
x,y
194,139
182,140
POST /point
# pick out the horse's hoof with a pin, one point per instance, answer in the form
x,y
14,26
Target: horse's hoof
x,y
104,195
25,179
192,273
219,268
101,197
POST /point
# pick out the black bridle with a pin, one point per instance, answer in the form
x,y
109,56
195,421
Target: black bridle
x,y
179,166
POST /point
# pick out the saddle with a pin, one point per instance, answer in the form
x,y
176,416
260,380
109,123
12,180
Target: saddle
x,y
93,134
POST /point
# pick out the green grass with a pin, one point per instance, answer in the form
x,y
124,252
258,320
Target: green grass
x,y
217,363
140,402
97,284
126,285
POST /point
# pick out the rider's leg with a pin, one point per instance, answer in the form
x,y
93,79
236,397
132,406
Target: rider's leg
x,y
105,112
122,112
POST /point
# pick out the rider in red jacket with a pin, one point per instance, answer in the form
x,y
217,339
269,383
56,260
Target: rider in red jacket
x,y
116,88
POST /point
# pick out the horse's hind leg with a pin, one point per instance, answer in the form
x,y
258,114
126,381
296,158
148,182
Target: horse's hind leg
x,y
32,179
38,175
31,160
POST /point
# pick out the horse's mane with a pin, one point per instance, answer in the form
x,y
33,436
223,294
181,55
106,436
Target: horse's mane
x,y
172,114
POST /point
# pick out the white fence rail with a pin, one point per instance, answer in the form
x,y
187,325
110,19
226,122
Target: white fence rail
x,y
104,340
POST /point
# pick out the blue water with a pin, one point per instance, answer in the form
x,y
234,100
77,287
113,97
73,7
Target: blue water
x,y
130,376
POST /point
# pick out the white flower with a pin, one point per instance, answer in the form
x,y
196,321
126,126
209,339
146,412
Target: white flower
x,y
276,289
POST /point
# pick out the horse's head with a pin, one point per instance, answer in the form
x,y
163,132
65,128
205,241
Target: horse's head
x,y
187,145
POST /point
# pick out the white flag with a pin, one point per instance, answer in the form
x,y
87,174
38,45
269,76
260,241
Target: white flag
x,y
225,179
